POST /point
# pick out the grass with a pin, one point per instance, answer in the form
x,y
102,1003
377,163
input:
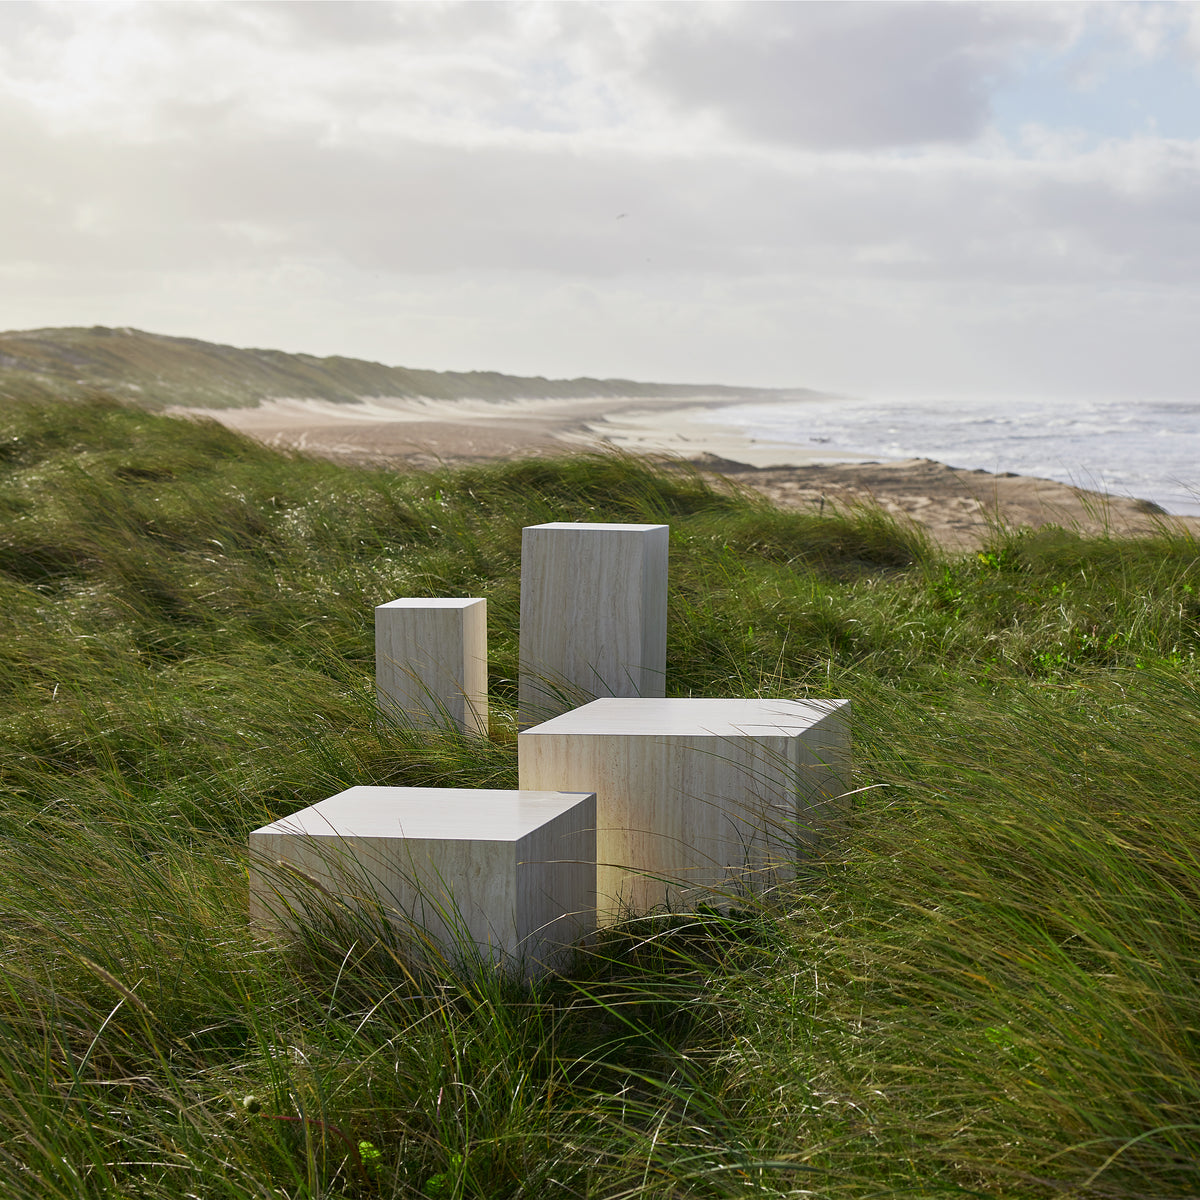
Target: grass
x,y
987,987
156,372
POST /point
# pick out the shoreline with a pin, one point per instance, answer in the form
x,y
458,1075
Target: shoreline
x,y
957,507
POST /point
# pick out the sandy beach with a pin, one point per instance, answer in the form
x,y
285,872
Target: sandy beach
x,y
956,506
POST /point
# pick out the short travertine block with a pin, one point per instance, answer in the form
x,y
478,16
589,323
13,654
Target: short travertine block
x,y
511,873
695,795
431,662
593,615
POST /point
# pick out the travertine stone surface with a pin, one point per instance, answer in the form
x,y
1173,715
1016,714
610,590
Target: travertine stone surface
x,y
431,662
513,873
693,794
593,615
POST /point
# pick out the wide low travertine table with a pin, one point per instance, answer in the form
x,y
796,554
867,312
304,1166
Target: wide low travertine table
x,y
512,873
695,795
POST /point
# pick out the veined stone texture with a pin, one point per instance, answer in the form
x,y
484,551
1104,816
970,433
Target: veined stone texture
x,y
695,796
510,873
593,615
431,662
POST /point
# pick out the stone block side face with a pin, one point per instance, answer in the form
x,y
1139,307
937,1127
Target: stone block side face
x,y
824,769
475,669
556,886
593,615
521,902
677,817
655,562
431,663
447,891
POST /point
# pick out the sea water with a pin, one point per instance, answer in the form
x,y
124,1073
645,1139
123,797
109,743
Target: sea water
x,y
1149,449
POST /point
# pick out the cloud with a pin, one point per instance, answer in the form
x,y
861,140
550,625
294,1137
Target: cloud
x,y
796,181
845,75
239,193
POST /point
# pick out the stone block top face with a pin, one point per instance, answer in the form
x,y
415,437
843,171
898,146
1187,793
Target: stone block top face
x,y
596,527
428,602
636,716
428,814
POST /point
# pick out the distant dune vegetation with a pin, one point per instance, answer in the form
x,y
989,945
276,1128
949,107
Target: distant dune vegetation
x,y
157,372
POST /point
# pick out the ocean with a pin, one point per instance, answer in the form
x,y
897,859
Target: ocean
x,y
1149,449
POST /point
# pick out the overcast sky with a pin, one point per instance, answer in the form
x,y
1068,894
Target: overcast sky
x,y
893,199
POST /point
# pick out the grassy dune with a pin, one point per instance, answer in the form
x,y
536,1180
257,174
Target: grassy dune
x,y
987,987
155,371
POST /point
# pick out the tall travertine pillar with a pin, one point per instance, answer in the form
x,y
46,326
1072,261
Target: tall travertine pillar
x,y
431,662
593,615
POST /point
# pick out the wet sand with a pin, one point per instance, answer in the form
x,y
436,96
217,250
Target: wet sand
x,y
957,507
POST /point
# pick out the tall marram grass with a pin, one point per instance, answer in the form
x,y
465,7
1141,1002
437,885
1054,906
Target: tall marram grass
x,y
985,986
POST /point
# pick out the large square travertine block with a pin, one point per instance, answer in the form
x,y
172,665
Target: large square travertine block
x,y
593,615
511,872
431,662
695,795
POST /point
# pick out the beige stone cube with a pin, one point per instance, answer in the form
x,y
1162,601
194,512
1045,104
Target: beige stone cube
x,y
510,873
431,662
593,615
695,796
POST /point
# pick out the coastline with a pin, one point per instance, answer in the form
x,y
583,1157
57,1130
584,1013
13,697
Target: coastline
x,y
957,507
428,432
